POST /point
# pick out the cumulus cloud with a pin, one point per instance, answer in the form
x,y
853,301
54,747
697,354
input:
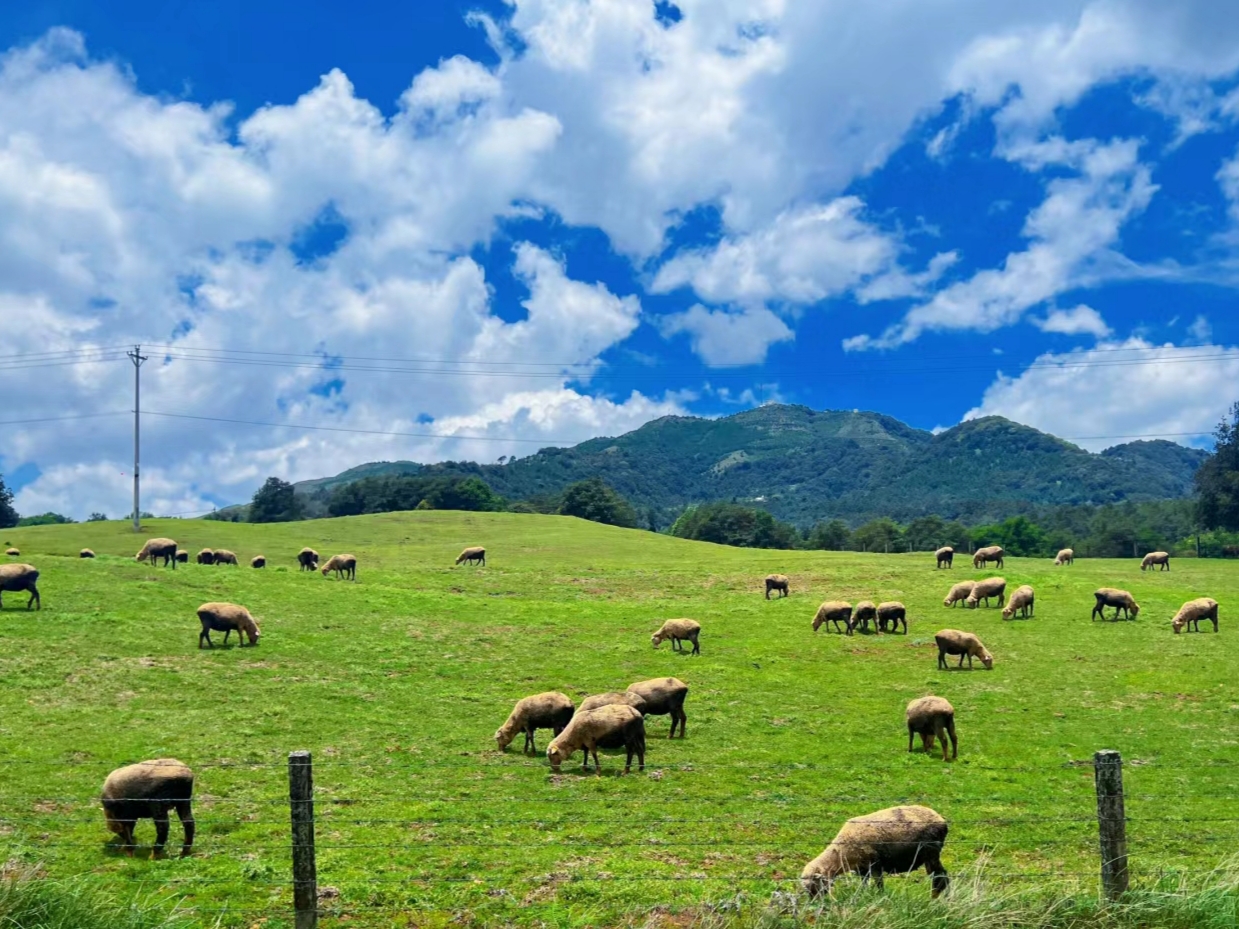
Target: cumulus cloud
x,y
1080,320
728,337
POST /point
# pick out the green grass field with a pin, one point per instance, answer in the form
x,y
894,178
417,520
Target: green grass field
x,y
397,683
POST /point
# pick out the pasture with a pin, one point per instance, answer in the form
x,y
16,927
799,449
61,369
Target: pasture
x,y
397,683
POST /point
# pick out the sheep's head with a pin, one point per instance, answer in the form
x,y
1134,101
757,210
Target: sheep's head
x,y
326,571
251,629
1134,609
948,602
113,824
1008,611
503,738
971,602
656,638
140,556
556,756
1177,624
987,659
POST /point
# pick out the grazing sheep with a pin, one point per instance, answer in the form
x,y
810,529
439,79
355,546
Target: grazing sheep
x,y
892,614
1192,612
1155,559
148,790
984,556
1022,601
964,644
931,717
777,582
606,727
611,699
865,611
182,556
12,553
945,556
343,565
225,617
551,710
663,696
834,611
990,587
206,556
1066,557
223,556
474,555
960,593
158,548
258,561
678,631
86,553
898,840
307,558
1121,600
18,577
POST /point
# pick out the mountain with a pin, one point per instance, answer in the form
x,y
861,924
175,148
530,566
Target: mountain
x,y
805,465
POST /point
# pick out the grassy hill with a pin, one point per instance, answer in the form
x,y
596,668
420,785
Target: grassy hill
x,y
397,683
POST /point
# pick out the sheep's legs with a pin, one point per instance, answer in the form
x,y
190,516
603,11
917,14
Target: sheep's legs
x,y
910,737
950,730
696,646
185,814
161,830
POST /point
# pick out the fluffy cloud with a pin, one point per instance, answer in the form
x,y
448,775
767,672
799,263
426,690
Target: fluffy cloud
x,y
1080,320
726,337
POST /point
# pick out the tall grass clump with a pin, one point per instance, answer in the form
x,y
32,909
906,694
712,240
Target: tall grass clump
x,y
30,902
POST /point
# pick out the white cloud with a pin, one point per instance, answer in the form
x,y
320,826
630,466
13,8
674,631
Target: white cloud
x,y
1080,320
728,337
1200,330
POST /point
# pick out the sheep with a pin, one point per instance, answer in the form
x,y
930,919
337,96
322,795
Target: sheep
x,y
984,556
343,565
777,582
206,556
605,727
258,561
612,698
18,577
834,611
663,696
550,710
86,553
931,717
865,611
1022,601
1121,600
892,614
148,790
474,555
678,631
1154,559
1192,612
158,548
307,558
945,556
182,556
12,553
897,840
225,617
964,644
1066,557
990,587
959,593
223,556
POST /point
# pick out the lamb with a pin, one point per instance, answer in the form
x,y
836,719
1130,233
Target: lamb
x,y
1022,601
1154,559
225,617
550,710
834,611
663,696
307,558
892,614
990,587
474,555
865,611
605,727
984,556
86,553
223,556
678,631
611,699
897,840
12,553
158,548
148,790
964,644
1121,600
206,556
1192,612
777,582
959,593
343,565
931,717
1066,557
18,577
258,561
182,556
945,556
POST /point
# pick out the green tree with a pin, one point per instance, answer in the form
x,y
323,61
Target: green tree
x,y
732,524
44,519
833,536
471,494
926,533
1217,481
596,501
97,518
878,535
275,502
8,515
1018,536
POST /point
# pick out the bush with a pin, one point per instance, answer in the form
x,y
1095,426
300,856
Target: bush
x,y
596,501
732,524
275,502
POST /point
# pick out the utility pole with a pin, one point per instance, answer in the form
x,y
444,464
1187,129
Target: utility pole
x,y
137,358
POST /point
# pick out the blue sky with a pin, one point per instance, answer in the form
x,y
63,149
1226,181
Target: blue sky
x,y
467,230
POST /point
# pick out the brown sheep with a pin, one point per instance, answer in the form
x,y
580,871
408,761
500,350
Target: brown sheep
x,y
959,593
1154,560
1023,601
551,710
990,587
86,553
865,611
225,617
182,556
965,645
945,556
19,577
307,558
984,556
148,790
1121,600
206,556
611,699
777,582
158,548
474,555
663,696
834,611
1065,557
258,561
606,727
679,631
343,565
892,841
931,717
223,556
1192,612
892,614
12,553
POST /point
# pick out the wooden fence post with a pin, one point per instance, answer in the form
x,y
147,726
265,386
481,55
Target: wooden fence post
x,y
1111,822
301,808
